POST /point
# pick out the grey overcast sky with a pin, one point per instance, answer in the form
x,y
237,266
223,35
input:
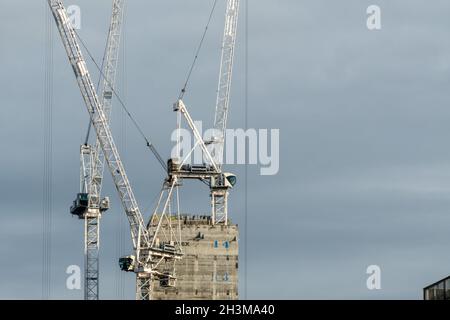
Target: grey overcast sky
x,y
364,128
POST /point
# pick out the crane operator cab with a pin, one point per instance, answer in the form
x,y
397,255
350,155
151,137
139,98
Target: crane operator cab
x,y
230,179
80,204
224,180
127,263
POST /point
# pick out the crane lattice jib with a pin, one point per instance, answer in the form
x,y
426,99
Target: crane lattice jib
x,y
138,230
106,94
225,75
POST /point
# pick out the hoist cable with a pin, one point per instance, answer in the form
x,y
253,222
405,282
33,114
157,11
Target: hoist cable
x,y
183,90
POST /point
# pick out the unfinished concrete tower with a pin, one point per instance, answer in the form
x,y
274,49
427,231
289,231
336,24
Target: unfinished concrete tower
x,y
209,267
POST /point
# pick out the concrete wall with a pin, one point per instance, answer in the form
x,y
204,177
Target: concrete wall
x,y
209,267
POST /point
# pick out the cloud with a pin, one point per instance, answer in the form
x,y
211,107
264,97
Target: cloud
x,y
363,121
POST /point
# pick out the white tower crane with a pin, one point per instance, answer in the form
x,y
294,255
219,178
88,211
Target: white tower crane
x,y
211,172
151,254
89,205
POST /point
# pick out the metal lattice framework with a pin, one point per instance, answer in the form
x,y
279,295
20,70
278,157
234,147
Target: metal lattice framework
x,y
219,203
91,218
91,246
107,87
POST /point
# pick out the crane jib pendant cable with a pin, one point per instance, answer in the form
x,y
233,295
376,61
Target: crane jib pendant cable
x,y
149,144
183,90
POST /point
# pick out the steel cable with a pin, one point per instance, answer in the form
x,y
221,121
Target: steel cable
x,y
200,45
149,144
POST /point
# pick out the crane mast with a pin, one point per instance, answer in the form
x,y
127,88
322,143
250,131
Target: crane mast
x,y
91,217
90,208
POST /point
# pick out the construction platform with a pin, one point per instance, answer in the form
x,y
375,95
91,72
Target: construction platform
x,y
209,267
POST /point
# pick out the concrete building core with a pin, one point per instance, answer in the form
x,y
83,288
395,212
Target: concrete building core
x,y
209,267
